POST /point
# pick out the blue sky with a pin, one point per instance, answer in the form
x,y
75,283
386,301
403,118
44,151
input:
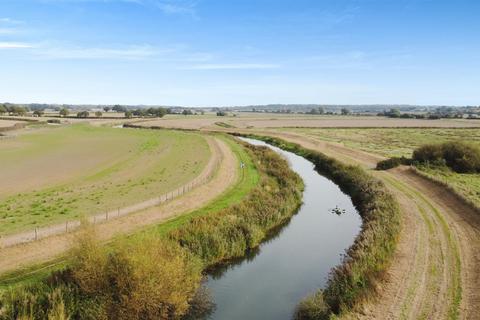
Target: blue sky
x,y
239,52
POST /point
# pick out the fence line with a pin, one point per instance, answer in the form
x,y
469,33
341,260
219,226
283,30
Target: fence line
x,y
69,226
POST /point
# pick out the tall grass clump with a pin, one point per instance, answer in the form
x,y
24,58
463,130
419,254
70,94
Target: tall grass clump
x,y
367,259
231,232
154,279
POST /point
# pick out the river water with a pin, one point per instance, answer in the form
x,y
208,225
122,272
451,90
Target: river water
x,y
295,261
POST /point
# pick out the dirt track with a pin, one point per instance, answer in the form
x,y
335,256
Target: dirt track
x,y
45,249
436,270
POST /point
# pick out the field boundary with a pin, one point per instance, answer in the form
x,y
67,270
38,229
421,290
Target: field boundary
x,y
448,186
69,226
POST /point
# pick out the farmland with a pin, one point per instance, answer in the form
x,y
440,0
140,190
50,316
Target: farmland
x,y
396,142
103,168
56,174
246,120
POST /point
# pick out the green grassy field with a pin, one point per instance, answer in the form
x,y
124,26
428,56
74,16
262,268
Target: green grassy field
x,y
247,180
390,142
61,173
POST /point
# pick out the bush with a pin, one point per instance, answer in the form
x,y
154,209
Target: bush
x,y
137,281
313,307
428,153
392,163
130,280
83,114
462,157
459,156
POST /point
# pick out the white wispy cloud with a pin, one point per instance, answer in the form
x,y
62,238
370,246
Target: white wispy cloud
x,y
166,6
15,45
232,66
126,53
10,21
7,31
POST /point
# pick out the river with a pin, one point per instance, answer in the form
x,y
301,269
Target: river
x,y
296,259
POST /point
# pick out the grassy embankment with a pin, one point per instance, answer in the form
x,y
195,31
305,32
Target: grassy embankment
x,y
245,183
127,280
58,174
398,142
365,261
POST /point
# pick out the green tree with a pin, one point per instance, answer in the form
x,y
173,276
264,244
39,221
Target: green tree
x,y
345,111
106,109
128,114
83,114
98,114
119,108
3,109
38,113
64,112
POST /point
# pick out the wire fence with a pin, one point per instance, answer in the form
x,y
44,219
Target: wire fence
x,y
69,226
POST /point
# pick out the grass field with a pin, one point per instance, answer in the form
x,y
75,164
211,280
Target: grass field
x,y
248,120
390,142
55,174
246,182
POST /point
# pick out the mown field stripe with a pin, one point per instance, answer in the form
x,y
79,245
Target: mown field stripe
x,y
455,290
246,182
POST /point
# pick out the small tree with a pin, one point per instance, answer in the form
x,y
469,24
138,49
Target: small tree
x,y
345,111
38,113
98,114
106,109
64,112
119,108
83,114
3,109
187,112
221,113
128,114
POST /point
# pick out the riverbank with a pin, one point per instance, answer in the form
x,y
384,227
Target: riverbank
x,y
204,240
355,280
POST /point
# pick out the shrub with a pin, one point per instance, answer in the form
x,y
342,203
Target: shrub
x,y
130,280
313,307
462,157
428,153
392,163
137,281
83,114
459,156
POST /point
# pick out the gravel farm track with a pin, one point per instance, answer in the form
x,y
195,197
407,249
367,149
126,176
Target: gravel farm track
x,y
435,271
45,249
